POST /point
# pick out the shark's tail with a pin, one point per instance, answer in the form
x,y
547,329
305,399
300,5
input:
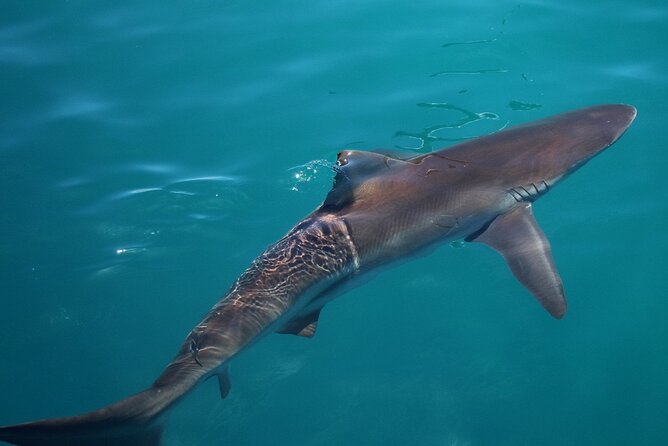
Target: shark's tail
x,y
134,421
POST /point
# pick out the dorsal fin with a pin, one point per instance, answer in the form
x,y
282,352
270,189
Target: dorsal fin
x,y
519,239
356,162
353,167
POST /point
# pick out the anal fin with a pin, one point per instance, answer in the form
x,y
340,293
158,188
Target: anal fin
x,y
309,330
519,239
224,382
302,325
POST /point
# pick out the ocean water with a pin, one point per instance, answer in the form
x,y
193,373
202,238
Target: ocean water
x,y
150,150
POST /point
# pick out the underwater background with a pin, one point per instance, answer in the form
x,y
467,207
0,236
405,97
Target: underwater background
x,y
150,150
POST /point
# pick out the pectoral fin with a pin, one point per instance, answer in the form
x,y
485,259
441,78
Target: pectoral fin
x,y
519,239
302,325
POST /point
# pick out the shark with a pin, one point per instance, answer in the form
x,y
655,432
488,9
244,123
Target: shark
x,y
382,208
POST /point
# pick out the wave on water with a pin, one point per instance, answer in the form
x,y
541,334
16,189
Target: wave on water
x,y
435,136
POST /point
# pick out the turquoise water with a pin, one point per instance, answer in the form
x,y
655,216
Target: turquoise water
x,y
150,150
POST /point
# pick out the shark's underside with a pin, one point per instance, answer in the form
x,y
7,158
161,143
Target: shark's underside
x,y
380,209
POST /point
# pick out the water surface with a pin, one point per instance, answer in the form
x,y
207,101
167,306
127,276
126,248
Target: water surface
x,y
150,150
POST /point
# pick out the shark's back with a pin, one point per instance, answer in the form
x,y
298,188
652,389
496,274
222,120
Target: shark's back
x,y
479,190
540,152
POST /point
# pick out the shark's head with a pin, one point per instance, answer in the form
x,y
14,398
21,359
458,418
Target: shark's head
x,y
592,130
541,151
395,205
546,150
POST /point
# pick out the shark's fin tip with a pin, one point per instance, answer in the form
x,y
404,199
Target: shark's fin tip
x,y
519,239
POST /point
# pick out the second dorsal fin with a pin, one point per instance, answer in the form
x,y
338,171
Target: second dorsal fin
x,y
519,239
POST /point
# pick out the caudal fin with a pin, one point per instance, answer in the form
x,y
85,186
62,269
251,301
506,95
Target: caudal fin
x,y
134,421
50,434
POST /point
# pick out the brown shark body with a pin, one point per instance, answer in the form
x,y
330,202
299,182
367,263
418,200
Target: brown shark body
x,y
380,209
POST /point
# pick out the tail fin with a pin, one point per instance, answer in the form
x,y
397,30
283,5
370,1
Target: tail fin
x,y
134,421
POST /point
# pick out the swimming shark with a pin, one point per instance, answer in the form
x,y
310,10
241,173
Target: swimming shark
x,y
381,209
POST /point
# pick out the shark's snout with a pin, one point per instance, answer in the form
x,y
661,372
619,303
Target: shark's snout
x,y
586,133
613,120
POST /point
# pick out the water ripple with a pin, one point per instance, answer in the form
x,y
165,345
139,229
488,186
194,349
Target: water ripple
x,y
519,105
76,106
469,72
468,42
431,135
314,172
646,13
17,44
126,23
150,167
641,71
147,220
202,187
23,54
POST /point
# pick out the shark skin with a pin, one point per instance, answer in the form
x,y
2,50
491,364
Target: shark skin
x,y
380,209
